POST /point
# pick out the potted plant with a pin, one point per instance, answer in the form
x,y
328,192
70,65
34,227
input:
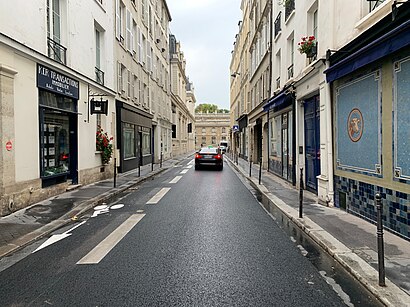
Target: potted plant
x,y
104,145
308,45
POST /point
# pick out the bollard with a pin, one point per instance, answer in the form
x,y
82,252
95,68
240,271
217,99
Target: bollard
x,y
380,243
115,172
301,193
160,161
260,170
250,166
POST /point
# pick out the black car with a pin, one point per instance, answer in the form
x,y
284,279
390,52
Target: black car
x,y
209,157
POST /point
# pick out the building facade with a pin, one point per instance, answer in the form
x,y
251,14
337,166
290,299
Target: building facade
x,y
317,88
182,102
47,83
211,128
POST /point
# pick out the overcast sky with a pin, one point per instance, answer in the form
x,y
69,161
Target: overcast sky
x,y
206,30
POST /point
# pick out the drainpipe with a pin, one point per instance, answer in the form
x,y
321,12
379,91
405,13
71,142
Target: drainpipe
x,y
329,141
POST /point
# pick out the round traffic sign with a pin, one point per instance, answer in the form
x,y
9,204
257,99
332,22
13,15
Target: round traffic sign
x,y
9,146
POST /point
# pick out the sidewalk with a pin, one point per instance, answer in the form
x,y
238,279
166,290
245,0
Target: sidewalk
x,y
351,240
25,226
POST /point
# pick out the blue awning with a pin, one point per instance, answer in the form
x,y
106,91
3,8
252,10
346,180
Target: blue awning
x,y
390,42
278,100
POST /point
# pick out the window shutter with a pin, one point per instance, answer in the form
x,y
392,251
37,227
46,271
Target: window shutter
x,y
128,33
117,19
119,78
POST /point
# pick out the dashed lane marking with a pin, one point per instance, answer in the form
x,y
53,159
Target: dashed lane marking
x,y
158,196
184,171
176,179
106,245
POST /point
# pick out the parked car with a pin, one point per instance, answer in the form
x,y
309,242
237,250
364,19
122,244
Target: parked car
x,y
209,156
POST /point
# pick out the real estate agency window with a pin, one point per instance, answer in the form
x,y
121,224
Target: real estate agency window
x,y
128,134
146,141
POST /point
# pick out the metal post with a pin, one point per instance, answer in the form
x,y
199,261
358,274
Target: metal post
x,y
301,193
115,172
250,166
260,170
160,161
139,166
380,243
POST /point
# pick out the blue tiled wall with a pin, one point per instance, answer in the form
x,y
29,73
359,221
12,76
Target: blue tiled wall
x,y
360,201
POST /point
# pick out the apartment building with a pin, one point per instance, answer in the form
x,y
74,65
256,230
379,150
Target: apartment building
x,y
143,107
211,128
332,116
55,62
182,102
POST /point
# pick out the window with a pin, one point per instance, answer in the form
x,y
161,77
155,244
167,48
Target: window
x,y
128,34
291,46
128,134
121,78
174,131
203,141
213,140
97,49
146,143
119,20
374,4
203,131
223,130
315,24
55,50
278,24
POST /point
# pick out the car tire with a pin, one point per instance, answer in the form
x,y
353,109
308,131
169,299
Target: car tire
x,y
221,167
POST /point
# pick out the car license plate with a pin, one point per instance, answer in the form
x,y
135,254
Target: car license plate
x,y
208,156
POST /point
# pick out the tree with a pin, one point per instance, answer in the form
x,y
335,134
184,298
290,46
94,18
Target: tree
x,y
206,107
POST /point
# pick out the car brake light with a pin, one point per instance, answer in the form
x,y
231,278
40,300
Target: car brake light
x,y
219,157
197,156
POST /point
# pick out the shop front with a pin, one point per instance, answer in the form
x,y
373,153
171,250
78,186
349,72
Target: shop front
x,y
281,135
134,136
58,117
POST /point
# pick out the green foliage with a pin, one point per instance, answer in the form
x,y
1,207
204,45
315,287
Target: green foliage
x,y
206,107
103,144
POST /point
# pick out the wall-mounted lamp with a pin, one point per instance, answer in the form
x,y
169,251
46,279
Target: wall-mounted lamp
x,y
235,74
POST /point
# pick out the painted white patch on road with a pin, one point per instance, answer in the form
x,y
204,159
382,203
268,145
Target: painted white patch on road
x,y
184,171
106,245
188,166
176,179
101,207
158,196
337,288
303,250
117,206
58,237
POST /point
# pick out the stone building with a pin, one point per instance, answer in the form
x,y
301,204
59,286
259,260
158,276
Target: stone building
x,y
182,102
211,128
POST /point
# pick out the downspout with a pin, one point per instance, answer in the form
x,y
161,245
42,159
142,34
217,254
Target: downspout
x,y
329,142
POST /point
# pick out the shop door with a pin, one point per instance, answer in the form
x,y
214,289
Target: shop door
x,y
312,143
285,147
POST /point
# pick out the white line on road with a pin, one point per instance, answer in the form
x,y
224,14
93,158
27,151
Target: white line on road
x,y
176,179
106,245
158,196
188,166
184,171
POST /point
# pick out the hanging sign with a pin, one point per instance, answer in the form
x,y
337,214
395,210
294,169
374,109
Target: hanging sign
x,y
99,106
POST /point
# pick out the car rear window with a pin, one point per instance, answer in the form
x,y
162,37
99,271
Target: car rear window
x,y
208,151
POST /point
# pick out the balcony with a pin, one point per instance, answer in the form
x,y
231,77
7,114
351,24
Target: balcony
x,y
289,8
99,76
56,51
278,24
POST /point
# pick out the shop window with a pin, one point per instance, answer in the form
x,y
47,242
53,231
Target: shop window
x,y
146,143
55,144
128,134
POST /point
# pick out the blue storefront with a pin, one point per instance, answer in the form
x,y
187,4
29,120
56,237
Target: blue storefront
x,y
370,78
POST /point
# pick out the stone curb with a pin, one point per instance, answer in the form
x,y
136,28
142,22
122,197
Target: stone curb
x,y
80,208
391,295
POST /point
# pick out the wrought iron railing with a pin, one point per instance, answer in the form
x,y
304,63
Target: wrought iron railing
x,y
290,71
289,8
278,24
99,76
56,51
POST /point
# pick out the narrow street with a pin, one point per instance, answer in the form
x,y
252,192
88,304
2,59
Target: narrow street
x,y
186,238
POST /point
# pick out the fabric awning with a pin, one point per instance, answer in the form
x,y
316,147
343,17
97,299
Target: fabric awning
x,y
281,99
390,42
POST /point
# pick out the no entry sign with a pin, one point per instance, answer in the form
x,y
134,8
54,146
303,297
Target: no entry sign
x,y
9,145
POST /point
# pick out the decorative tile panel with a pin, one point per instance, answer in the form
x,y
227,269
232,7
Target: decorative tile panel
x,y
358,125
401,120
360,200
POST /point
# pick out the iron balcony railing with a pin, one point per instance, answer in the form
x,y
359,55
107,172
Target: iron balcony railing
x,y
56,51
99,76
289,8
278,24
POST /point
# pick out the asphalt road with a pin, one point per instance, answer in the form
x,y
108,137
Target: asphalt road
x,y
205,242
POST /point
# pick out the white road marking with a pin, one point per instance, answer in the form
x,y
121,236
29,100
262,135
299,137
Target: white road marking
x,y
184,171
58,237
158,196
117,206
188,166
176,179
106,245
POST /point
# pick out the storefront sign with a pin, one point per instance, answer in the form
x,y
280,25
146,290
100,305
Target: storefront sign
x,y
235,128
56,82
9,145
99,106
